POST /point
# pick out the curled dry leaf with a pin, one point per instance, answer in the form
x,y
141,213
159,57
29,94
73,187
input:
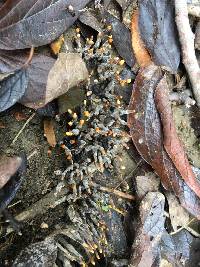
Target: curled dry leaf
x,y
158,31
35,22
53,80
171,141
146,131
142,56
49,132
12,170
146,244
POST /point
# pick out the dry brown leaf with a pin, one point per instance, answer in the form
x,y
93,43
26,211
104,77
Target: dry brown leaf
x,y
147,135
142,56
49,132
49,79
68,71
172,143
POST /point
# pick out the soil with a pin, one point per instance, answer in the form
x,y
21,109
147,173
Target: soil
x,y
40,178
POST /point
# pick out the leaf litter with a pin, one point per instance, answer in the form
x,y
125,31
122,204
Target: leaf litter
x,y
74,95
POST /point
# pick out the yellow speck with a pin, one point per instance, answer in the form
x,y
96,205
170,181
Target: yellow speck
x,y
70,123
81,122
128,80
123,167
109,27
121,62
110,40
118,102
77,30
87,113
85,102
57,44
122,83
74,116
69,133
69,111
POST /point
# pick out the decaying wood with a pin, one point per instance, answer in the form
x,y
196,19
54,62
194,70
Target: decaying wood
x,y
186,37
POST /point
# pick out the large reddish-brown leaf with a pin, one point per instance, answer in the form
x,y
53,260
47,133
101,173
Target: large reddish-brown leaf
x,y
171,141
36,22
146,131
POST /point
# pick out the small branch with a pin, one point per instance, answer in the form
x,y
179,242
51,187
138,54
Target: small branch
x,y
186,37
24,126
113,191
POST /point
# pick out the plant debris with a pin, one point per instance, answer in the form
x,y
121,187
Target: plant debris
x,y
94,92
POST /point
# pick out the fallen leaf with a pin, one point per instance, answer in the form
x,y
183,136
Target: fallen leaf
x,y
152,219
145,184
158,31
178,216
89,18
13,88
123,3
121,38
49,132
38,73
179,249
35,22
142,56
146,131
48,80
171,141
12,170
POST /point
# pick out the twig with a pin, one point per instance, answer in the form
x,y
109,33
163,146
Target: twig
x,y
25,124
194,10
187,44
113,191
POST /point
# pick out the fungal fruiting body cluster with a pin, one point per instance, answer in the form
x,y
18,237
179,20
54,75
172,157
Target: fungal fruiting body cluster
x,y
95,136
